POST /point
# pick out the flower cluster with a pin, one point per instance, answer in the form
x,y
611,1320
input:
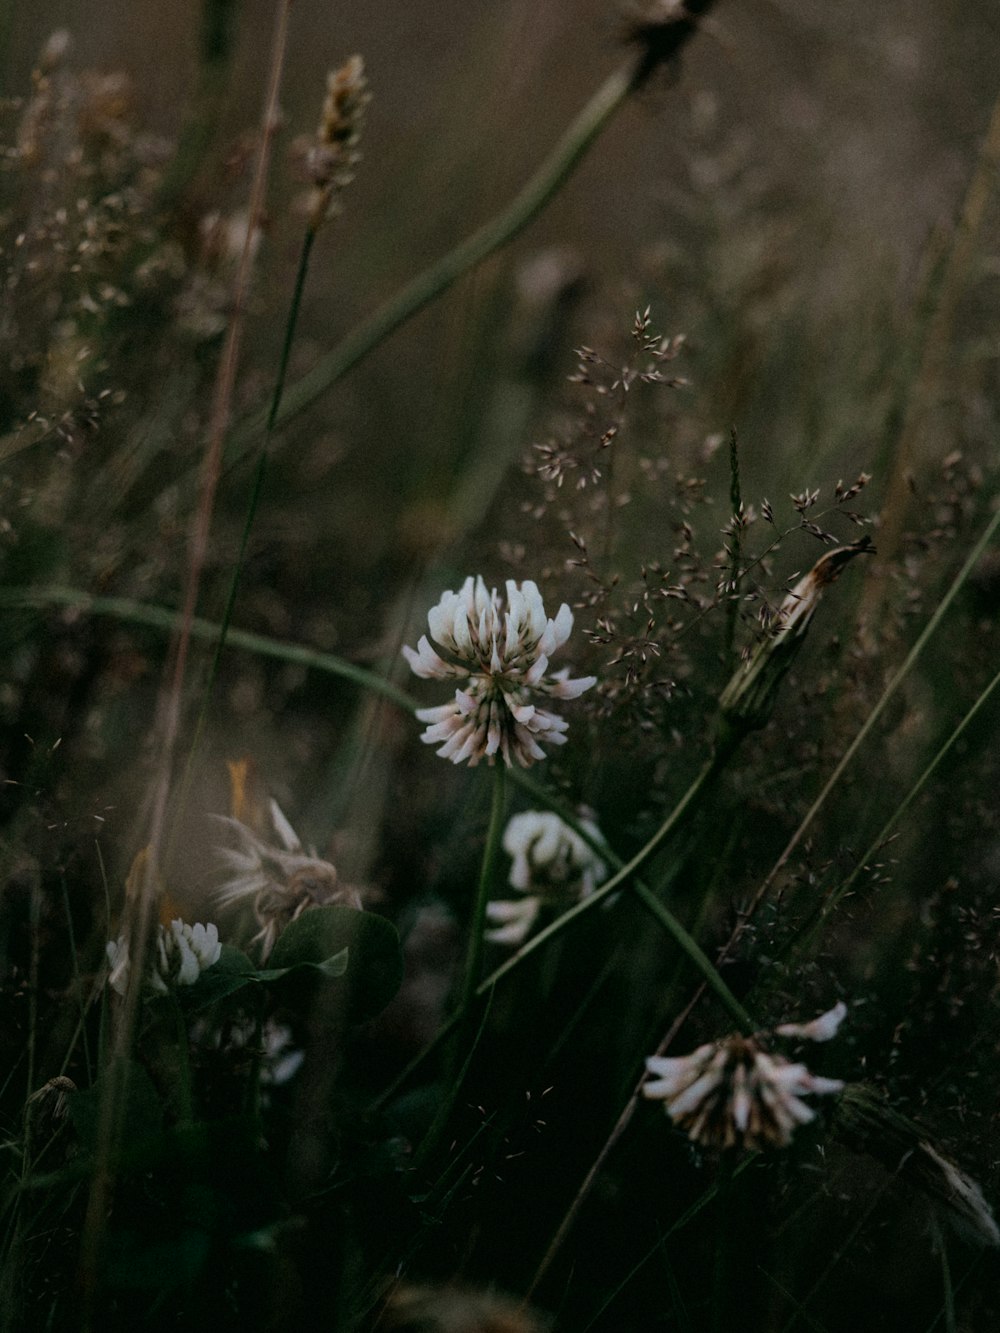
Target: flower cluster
x,y
733,1092
503,656
179,955
333,155
551,866
280,877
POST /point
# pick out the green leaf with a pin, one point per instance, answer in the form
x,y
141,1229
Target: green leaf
x,y
341,941
142,1116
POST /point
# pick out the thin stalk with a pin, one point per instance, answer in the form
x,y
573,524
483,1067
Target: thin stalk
x,y
435,280
735,547
948,1290
139,918
473,964
700,960
936,322
912,657
78,989
163,618
883,835
699,1205
659,50
487,873
251,514
624,874
800,1310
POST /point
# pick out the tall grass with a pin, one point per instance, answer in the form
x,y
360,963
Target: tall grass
x,y
304,1022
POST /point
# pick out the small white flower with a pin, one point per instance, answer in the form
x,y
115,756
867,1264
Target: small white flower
x,y
551,865
513,919
281,877
735,1093
503,656
179,955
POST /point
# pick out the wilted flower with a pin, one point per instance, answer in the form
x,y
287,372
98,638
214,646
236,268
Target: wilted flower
x,y
748,700
333,155
179,955
552,865
504,657
735,1093
281,878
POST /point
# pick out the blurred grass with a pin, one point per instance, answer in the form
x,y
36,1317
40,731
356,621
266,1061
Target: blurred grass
x,y
789,201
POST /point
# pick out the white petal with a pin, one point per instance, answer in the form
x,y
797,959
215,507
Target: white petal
x,y
820,1029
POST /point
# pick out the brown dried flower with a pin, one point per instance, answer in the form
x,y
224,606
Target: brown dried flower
x,y
333,155
281,877
734,1093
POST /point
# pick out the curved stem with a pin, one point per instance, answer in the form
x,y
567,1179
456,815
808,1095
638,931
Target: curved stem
x,y
436,280
163,618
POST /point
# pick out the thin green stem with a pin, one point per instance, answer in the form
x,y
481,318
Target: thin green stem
x,y
487,873
883,835
435,280
258,488
624,874
163,618
473,967
735,546
701,961
909,662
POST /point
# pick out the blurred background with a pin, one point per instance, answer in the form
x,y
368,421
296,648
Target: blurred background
x,y
809,197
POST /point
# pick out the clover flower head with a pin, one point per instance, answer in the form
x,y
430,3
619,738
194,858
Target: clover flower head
x,y
279,876
734,1093
179,955
503,657
550,864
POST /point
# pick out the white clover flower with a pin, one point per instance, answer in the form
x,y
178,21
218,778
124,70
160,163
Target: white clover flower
x,y
504,658
551,865
179,955
735,1093
282,878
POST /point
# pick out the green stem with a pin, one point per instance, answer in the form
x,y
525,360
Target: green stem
x,y
625,872
490,237
473,966
258,487
702,963
735,548
904,805
163,618
910,661
487,870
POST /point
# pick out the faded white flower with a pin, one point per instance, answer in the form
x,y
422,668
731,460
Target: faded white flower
x,y
735,1093
551,866
281,878
178,956
503,656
